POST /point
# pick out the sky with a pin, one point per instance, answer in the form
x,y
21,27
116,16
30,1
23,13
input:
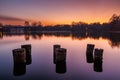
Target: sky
x,y
51,12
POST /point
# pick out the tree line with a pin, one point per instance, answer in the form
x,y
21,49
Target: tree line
x,y
112,25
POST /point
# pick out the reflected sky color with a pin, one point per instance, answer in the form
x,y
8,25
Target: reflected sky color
x,y
42,66
58,11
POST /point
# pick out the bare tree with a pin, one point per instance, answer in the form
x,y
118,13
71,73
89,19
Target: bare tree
x,y
39,23
114,19
34,24
27,23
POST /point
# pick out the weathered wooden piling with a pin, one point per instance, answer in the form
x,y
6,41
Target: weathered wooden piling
x,y
54,52
61,67
19,69
60,55
19,55
55,47
98,55
27,48
89,53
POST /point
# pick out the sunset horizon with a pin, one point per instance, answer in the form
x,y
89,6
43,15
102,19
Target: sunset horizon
x,y
55,12
60,39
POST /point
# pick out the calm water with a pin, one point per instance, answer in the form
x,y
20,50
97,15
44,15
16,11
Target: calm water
x,y
76,66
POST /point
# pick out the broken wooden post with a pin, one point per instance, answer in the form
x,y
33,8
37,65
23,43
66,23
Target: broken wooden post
x,y
19,55
89,53
61,67
60,55
54,51
98,56
27,48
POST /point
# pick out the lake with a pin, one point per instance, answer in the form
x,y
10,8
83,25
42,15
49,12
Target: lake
x,y
76,67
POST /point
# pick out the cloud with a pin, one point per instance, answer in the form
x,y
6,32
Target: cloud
x,y
7,18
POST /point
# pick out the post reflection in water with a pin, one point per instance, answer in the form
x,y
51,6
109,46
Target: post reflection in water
x,y
59,59
1,34
98,66
98,60
61,67
21,58
19,69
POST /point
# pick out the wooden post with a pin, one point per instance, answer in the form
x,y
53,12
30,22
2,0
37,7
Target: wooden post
x,y
19,56
61,67
54,52
27,48
89,53
98,56
60,55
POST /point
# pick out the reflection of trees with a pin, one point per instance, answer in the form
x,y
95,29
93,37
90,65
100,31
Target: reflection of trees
x,y
57,34
78,30
114,39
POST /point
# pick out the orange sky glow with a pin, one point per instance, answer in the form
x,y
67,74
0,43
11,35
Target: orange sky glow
x,y
51,12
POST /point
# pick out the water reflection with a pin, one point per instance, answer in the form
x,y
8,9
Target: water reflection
x,y
1,34
19,69
21,58
61,67
76,66
113,38
97,66
27,36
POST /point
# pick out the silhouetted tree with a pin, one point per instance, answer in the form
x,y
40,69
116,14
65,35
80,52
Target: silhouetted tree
x,y
114,19
115,22
39,24
1,25
27,23
34,24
